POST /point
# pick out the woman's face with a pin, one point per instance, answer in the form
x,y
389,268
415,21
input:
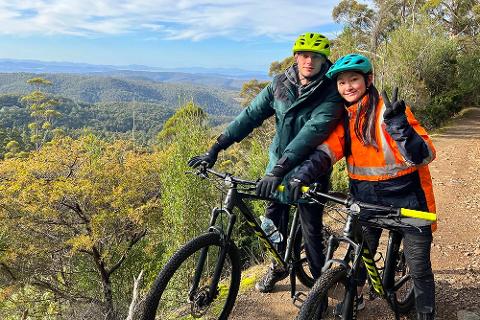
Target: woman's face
x,y
351,85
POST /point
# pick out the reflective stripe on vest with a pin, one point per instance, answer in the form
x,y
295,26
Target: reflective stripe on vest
x,y
391,169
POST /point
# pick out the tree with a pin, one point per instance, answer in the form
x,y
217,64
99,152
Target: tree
x,y
43,112
278,67
73,212
250,90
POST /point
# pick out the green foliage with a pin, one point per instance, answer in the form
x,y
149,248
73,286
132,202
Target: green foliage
x,y
185,199
339,179
133,108
72,211
278,67
250,90
189,111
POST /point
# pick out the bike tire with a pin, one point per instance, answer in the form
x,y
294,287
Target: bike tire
x,y
301,268
164,302
328,291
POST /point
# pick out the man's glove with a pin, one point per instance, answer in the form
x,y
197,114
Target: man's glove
x,y
394,110
267,185
270,182
296,189
210,157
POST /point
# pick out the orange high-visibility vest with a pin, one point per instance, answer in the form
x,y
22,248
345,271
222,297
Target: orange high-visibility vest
x,y
370,164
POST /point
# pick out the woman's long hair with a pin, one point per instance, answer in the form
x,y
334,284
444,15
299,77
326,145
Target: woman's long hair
x,y
365,119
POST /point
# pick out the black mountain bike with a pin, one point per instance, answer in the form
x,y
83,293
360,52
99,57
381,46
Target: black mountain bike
x,y
337,283
201,280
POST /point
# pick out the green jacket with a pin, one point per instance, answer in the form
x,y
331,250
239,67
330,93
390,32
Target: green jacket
x,y
304,116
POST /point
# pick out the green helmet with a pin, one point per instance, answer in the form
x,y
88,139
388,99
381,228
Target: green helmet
x,y
350,62
312,42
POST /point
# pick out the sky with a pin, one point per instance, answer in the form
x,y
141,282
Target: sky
x,y
245,34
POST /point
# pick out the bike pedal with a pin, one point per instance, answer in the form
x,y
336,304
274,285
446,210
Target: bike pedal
x,y
298,299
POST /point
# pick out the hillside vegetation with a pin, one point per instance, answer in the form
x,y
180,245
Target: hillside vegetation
x,y
106,104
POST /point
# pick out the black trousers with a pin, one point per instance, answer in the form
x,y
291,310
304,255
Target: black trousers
x,y
311,222
416,246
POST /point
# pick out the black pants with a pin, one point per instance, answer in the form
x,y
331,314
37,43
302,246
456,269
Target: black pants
x,y
416,246
311,222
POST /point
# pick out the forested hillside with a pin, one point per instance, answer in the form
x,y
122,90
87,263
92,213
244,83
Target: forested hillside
x,y
112,104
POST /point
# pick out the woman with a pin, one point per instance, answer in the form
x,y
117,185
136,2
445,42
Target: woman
x,y
387,153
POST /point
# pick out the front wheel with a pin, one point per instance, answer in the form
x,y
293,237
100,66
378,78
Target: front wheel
x,y
171,296
329,291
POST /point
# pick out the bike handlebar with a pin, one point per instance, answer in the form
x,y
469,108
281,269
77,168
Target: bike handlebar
x,y
344,200
349,202
226,176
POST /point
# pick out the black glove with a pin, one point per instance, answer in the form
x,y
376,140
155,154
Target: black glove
x,y
270,182
210,157
296,189
394,110
267,185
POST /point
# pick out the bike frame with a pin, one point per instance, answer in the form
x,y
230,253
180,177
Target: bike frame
x,y
383,283
235,198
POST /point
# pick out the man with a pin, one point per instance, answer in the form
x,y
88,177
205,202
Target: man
x,y
307,108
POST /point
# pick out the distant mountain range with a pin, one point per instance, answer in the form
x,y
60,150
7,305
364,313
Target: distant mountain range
x,y
220,77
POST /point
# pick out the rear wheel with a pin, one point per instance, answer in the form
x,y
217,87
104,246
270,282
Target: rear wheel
x,y
302,269
404,296
171,296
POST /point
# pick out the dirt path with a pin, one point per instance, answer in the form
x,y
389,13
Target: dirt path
x,y
456,247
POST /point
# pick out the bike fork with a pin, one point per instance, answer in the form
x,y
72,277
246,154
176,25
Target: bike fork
x,y
349,311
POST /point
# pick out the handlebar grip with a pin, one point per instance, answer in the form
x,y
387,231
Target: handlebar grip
x,y
281,188
418,214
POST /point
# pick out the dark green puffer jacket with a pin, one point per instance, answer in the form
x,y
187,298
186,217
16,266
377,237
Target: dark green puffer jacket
x,y
304,116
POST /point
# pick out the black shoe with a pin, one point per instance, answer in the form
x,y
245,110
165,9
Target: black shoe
x,y
273,275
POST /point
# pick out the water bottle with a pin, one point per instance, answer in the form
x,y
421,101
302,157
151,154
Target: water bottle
x,y
270,230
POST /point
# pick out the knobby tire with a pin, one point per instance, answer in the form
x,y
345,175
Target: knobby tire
x,y
302,269
162,302
328,291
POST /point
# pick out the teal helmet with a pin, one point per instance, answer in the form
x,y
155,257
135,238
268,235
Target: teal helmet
x,y
350,62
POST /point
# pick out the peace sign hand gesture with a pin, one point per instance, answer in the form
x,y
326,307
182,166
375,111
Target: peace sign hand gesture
x,y
395,108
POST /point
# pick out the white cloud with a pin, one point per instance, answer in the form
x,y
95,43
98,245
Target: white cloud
x,y
181,19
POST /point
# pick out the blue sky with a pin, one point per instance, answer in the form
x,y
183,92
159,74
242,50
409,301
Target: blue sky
x,y
247,34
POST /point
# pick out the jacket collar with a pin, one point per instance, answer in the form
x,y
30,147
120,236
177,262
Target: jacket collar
x,y
292,76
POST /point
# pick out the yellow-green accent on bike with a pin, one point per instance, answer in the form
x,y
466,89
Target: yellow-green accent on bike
x,y
281,188
429,216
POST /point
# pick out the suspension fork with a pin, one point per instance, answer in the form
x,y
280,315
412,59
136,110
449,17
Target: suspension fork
x,y
288,256
225,241
393,248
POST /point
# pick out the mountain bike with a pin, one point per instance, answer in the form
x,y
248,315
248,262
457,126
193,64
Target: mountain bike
x,y
201,280
337,284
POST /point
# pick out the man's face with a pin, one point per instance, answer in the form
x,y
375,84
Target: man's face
x,y
309,63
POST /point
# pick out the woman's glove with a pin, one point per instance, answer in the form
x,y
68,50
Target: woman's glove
x,y
296,189
395,109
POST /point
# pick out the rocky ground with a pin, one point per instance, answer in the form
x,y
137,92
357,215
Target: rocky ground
x,y
456,247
